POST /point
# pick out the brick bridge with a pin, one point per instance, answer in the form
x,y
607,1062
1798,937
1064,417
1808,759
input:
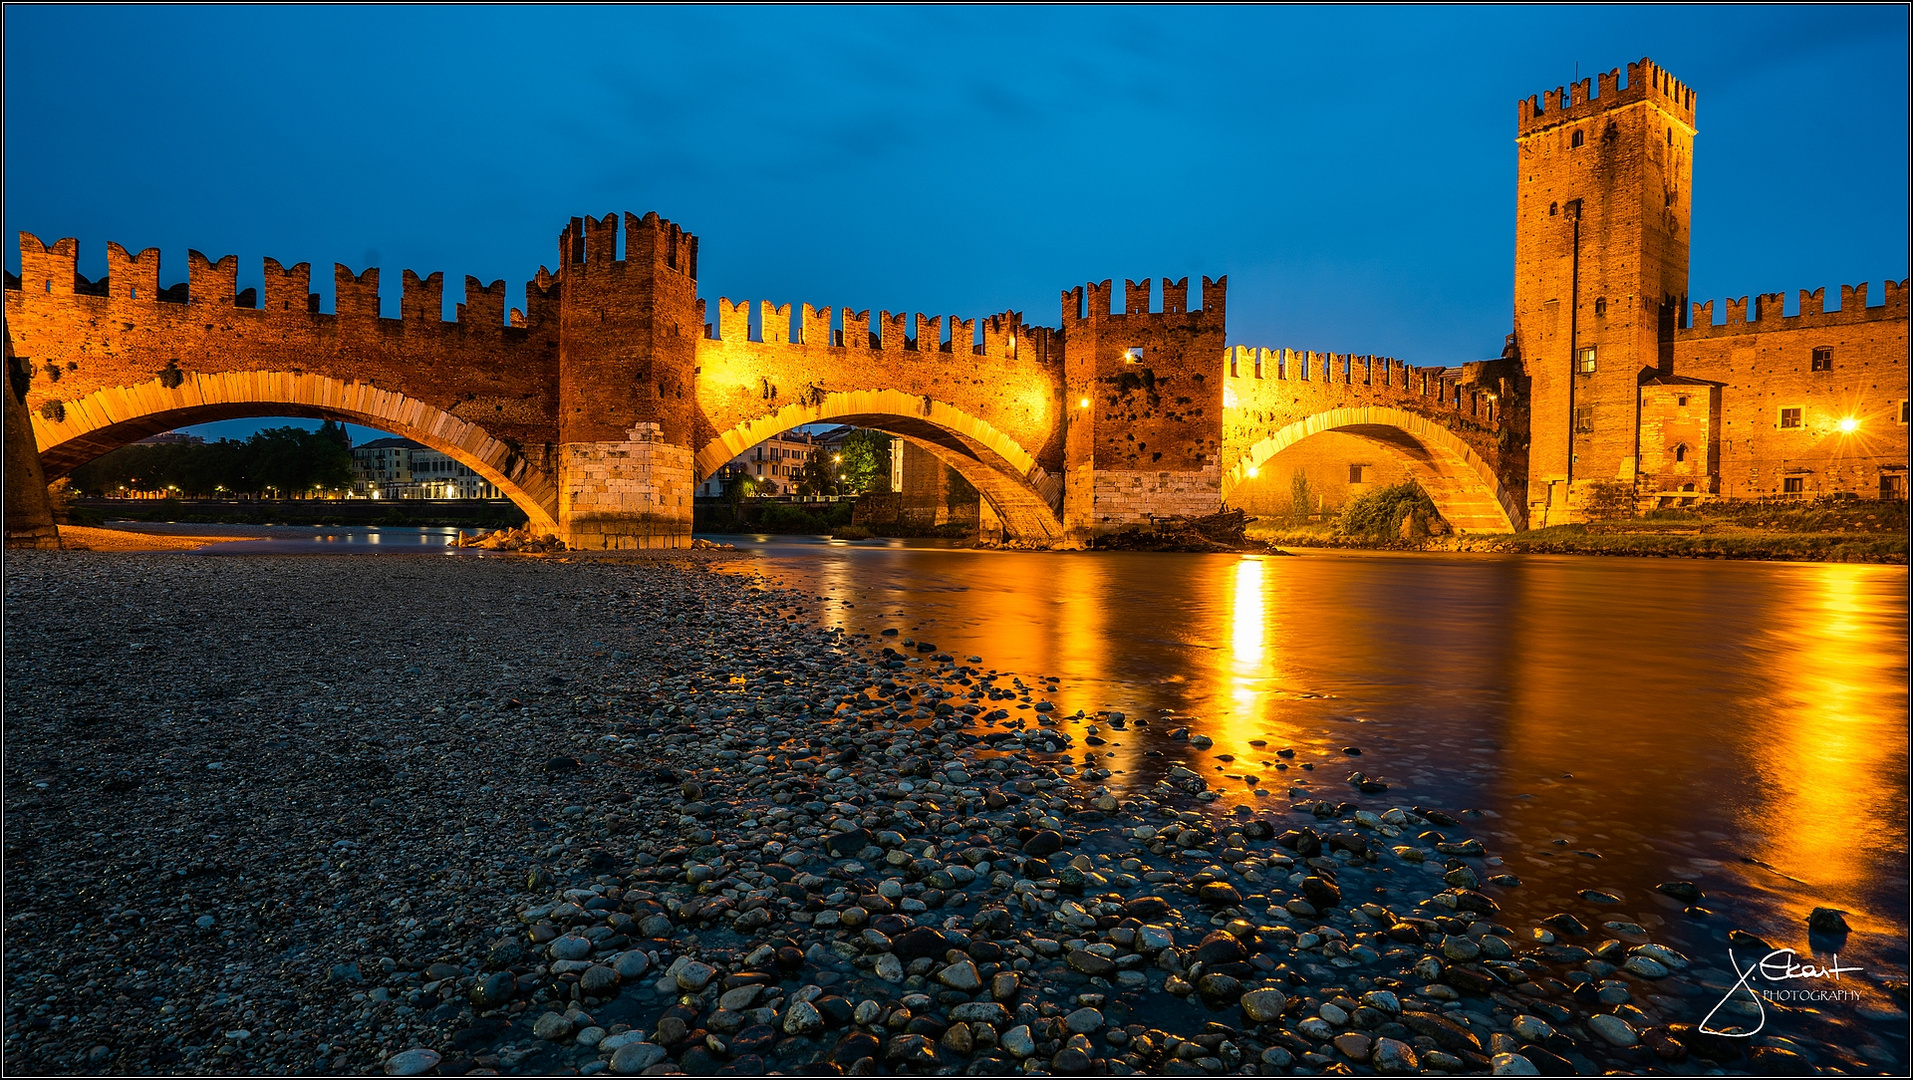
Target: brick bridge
x,y
597,405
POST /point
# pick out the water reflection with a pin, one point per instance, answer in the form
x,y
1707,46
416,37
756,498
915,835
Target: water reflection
x,y
1618,723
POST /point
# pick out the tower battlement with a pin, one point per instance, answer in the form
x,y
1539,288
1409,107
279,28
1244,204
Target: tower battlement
x,y
1094,301
589,245
1765,310
1646,81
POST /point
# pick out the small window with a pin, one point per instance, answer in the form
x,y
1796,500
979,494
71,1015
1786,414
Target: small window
x,y
1583,418
1577,139
1680,452
1600,307
1586,363
1823,360
1670,136
1793,485
1681,400
1903,404
1354,474
1553,209
1789,419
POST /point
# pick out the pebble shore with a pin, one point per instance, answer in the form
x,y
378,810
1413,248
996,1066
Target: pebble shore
x,y
501,814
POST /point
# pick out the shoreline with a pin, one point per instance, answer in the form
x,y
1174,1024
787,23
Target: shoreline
x,y
749,843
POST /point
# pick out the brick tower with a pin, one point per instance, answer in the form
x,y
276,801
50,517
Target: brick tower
x,y
1602,206
627,405
1143,392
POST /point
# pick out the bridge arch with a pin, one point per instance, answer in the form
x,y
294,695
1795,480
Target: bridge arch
x,y
1464,488
107,419
1022,493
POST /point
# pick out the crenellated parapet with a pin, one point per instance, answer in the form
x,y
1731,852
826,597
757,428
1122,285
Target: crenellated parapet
x,y
1766,312
1646,82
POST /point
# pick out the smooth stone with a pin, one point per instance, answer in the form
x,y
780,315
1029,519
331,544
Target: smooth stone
x,y
551,1026
802,1019
1084,1021
1394,1056
961,975
598,981
1354,1045
1613,1029
414,1062
695,976
1263,1006
1512,1065
1018,1041
633,1058
1532,1029
570,947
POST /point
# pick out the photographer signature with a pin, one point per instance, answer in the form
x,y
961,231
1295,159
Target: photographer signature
x,y
1776,966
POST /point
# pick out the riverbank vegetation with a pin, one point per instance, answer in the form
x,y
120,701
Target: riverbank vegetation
x,y
278,462
1817,531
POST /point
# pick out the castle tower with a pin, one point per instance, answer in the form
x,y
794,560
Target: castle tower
x,y
627,404
1602,205
1143,393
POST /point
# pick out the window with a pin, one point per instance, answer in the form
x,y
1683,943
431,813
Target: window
x,y
1586,363
1680,452
1355,474
1553,209
1789,419
1681,400
1793,485
1600,307
1902,412
1822,360
1577,139
1583,418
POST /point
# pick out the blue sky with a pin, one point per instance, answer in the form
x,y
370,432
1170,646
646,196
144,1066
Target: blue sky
x,y
1349,168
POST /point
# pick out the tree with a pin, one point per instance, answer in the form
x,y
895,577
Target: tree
x,y
864,463
819,476
1299,498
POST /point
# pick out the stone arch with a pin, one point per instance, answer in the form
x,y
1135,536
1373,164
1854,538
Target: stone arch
x,y
110,418
1465,489
1022,493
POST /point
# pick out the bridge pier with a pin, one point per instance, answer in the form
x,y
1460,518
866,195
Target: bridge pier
x,y
633,493
29,511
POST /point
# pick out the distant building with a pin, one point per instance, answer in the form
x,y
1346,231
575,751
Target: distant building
x,y
395,468
171,438
777,463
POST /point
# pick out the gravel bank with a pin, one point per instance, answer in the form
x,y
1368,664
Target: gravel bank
x,y
497,814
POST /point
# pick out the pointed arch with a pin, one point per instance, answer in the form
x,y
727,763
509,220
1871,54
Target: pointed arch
x,y
113,417
1022,493
1464,488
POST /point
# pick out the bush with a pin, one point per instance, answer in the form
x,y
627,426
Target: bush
x,y
1379,514
851,532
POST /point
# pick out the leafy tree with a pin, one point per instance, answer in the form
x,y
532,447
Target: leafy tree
x,y
865,464
1300,501
819,475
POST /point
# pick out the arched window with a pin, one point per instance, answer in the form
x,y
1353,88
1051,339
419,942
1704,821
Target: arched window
x,y
1680,452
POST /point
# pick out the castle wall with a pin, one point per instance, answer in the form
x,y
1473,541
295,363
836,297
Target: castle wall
x,y
1010,379
500,378
1763,362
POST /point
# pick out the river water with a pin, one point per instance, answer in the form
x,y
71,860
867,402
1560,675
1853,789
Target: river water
x,y
1617,722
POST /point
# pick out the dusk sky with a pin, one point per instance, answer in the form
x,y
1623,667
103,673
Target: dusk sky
x,y
1350,169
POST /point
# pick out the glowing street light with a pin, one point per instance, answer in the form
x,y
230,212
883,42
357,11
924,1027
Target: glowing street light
x,y
1251,471
1848,425
1083,404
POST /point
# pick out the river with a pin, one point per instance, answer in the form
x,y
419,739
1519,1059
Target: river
x,y
1617,722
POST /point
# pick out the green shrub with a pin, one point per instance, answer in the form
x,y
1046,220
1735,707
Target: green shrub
x,y
1379,514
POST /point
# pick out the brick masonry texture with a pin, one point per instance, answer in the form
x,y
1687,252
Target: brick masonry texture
x,y
598,403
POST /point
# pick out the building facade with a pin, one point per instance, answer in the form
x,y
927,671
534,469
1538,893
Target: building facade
x,y
395,468
776,464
